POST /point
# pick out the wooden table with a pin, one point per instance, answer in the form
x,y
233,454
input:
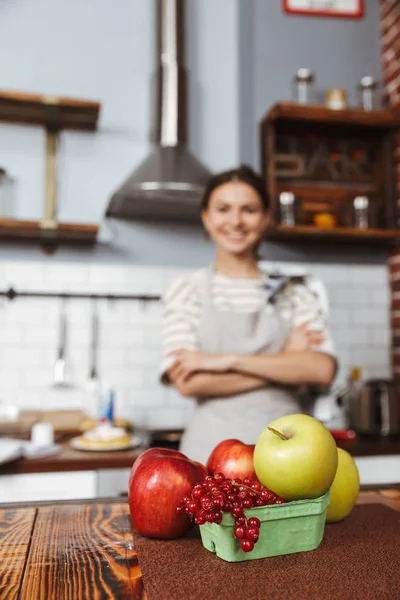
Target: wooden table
x,y
82,551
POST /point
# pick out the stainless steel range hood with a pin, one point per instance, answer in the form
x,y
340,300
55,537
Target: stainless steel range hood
x,y
168,184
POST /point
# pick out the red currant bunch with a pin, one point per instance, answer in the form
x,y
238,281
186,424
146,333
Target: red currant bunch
x,y
215,495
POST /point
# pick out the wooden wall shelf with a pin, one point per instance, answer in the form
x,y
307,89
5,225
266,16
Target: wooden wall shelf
x,y
326,158
12,229
308,232
354,117
54,114
50,112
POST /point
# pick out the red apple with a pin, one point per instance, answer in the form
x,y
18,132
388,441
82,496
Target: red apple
x,y
159,479
151,452
233,458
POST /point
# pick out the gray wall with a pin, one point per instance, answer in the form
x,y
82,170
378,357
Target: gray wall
x,y
241,56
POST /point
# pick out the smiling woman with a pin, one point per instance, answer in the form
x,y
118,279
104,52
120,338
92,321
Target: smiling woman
x,y
234,337
235,212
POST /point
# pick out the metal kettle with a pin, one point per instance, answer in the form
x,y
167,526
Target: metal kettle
x,y
375,408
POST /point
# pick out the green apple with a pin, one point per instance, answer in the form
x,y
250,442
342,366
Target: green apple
x,y
296,457
344,489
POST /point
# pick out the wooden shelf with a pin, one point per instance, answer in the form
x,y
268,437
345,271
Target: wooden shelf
x,y
54,114
355,117
308,232
327,157
50,112
12,229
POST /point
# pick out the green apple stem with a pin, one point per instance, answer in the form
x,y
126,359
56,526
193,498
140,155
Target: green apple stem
x,y
278,433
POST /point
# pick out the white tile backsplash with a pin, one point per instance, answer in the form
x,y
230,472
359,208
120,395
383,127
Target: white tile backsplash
x,y
370,276
380,296
370,316
10,334
129,352
339,316
380,336
348,337
36,335
346,296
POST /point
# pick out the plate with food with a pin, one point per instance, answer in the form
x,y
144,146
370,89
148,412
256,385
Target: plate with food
x,y
105,438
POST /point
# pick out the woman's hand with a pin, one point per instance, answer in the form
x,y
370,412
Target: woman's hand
x,y
302,339
188,362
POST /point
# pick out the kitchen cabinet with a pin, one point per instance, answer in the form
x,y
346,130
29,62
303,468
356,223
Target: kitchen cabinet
x,y
325,159
378,470
71,474
70,485
55,114
46,487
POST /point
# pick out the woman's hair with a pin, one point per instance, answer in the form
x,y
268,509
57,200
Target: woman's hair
x,y
243,174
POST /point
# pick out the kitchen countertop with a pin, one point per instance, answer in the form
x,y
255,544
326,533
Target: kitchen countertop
x,y
101,559
75,460
365,446
70,459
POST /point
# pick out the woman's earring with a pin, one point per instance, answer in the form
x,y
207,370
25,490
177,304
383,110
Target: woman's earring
x,y
206,235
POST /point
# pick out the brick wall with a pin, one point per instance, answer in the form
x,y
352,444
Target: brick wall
x,y
390,44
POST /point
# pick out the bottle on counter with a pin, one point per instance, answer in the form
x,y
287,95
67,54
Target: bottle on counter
x,y
106,412
350,392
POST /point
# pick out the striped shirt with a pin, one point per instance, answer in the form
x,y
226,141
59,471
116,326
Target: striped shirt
x,y
295,298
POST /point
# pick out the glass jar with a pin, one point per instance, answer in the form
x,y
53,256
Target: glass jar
x,y
303,87
336,99
361,212
287,209
367,92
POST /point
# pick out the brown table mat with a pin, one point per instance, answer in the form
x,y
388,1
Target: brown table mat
x,y
358,559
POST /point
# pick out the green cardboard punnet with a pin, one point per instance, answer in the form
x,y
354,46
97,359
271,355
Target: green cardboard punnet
x,y
296,526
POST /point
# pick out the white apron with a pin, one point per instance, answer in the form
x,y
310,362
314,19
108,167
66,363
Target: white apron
x,y
242,416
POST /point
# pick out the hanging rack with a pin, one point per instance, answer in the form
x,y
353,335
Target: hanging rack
x,y
12,294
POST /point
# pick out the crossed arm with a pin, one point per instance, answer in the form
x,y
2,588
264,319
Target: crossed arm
x,y
202,374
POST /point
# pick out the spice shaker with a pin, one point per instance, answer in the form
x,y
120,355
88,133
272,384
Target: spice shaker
x,y
303,86
368,93
287,208
360,211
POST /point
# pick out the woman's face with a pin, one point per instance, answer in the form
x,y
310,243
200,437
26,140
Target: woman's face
x,y
235,218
